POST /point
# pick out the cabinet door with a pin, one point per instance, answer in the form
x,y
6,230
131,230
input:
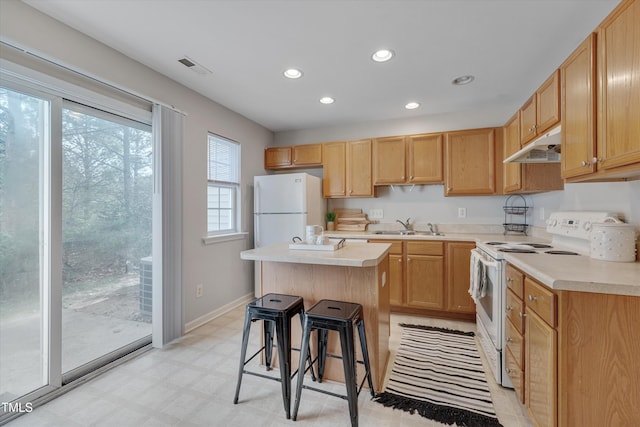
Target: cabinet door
x,y
528,120
548,104
334,182
578,110
396,280
470,162
619,84
359,176
389,160
277,157
512,172
458,260
424,153
425,281
540,370
307,155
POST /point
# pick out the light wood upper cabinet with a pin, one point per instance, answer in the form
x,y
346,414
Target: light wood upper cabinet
x,y
458,273
578,76
619,89
389,160
526,177
411,159
307,155
334,164
277,157
470,162
542,111
297,156
424,158
347,169
359,173
512,176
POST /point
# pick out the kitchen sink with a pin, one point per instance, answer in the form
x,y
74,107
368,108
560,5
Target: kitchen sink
x,y
409,233
397,232
428,233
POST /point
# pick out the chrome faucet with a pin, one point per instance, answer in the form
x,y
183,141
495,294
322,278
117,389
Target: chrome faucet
x,y
431,230
406,225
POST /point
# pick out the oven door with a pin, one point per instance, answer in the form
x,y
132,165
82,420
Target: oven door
x,y
486,280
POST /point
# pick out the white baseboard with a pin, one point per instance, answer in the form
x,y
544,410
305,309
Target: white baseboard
x,y
190,326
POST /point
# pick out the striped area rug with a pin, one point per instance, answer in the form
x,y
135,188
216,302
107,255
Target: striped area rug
x,y
439,374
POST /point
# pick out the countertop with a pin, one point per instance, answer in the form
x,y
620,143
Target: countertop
x,y
558,272
351,255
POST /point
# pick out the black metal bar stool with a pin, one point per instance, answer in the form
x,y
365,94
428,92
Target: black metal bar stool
x,y
275,310
337,316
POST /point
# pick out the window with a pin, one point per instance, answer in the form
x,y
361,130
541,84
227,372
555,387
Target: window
x,y
223,187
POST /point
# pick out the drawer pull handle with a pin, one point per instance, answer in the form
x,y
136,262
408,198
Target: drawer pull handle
x,y
532,298
522,314
509,308
509,370
509,279
509,339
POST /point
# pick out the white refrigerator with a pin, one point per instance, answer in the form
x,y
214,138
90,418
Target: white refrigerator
x,y
284,205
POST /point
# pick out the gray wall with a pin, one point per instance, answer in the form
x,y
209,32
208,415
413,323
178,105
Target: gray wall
x,y
218,267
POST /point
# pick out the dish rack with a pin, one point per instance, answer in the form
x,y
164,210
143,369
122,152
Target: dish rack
x,y
515,215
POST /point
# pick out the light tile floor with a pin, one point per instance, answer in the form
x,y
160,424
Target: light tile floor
x,y
192,383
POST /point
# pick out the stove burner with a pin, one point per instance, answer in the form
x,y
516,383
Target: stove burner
x,y
561,253
537,245
517,251
495,243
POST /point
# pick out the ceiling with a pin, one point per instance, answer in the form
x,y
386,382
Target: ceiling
x,y
510,46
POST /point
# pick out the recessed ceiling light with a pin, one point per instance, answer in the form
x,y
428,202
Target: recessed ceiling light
x,y
382,55
462,80
292,73
327,100
412,105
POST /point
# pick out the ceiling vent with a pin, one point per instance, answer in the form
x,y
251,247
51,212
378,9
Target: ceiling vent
x,y
194,66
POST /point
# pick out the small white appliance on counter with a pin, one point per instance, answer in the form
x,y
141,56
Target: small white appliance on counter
x,y
571,232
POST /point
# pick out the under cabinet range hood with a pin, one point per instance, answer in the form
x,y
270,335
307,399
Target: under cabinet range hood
x,y
545,149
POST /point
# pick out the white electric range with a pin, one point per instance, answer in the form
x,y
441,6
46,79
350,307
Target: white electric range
x,y
570,237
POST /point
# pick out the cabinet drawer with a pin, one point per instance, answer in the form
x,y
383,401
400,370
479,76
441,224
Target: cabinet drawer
x,y
540,300
516,374
515,280
514,310
396,245
515,343
425,248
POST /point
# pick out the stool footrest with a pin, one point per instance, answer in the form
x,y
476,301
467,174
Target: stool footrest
x,y
330,393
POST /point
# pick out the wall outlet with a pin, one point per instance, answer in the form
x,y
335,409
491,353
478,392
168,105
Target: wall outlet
x,y
376,214
199,290
462,212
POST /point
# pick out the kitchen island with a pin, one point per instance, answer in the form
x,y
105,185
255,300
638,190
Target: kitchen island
x,y
356,273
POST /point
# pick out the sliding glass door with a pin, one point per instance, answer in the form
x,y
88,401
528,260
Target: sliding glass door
x,y
76,195
106,234
24,276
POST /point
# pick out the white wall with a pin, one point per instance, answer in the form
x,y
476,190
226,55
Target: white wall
x,y
218,267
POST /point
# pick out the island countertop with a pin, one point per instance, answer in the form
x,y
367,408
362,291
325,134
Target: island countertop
x,y
351,255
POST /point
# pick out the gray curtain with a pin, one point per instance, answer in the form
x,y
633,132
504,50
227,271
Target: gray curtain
x,y
167,318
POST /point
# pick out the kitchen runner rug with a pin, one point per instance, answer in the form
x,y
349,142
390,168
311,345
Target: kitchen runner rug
x,y
439,374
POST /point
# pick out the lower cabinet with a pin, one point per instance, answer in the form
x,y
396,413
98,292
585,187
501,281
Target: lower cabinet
x,y
430,277
581,350
425,275
541,356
